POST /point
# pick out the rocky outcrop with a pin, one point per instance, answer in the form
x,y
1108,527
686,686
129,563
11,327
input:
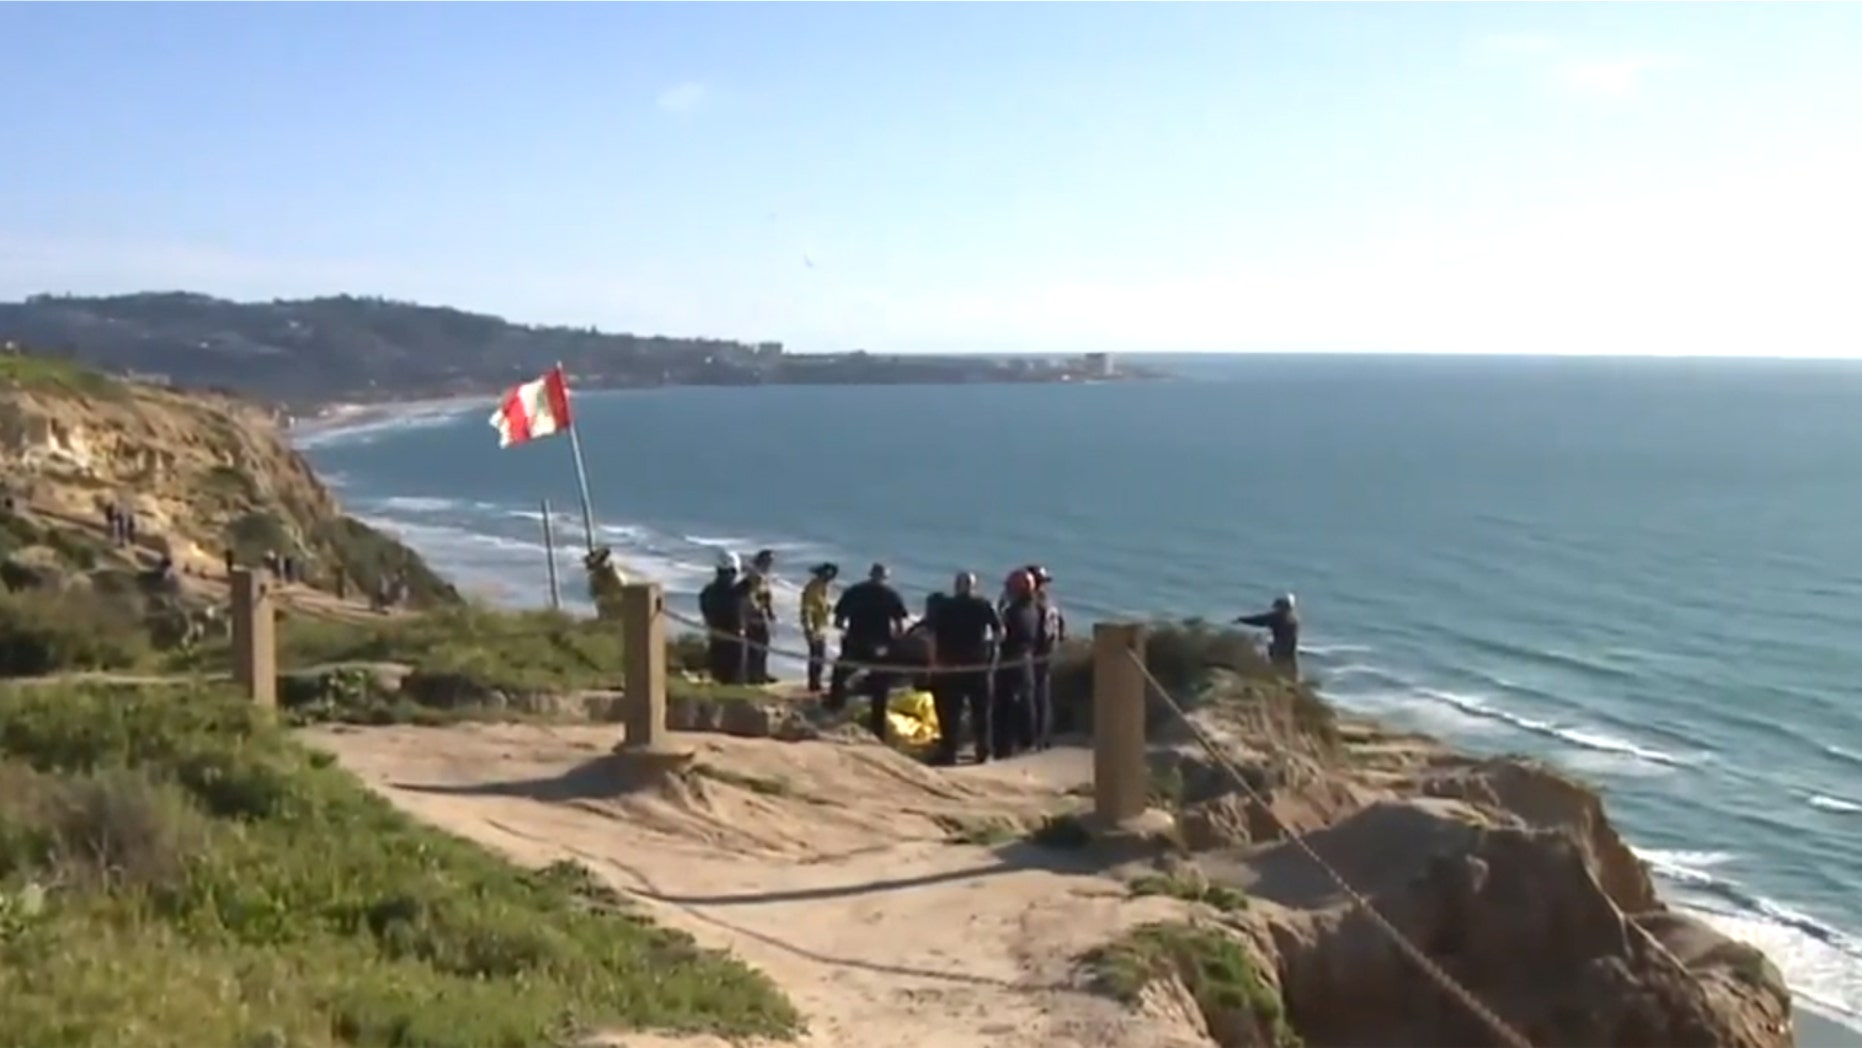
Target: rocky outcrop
x,y
201,472
1505,873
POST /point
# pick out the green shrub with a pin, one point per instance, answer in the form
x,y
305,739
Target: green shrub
x,y
175,872
44,373
45,632
1238,1004
1187,658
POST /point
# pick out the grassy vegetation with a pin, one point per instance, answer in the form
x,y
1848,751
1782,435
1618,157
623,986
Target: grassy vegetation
x,y
1185,657
45,632
506,650
174,872
1238,1004
74,549
36,373
1191,886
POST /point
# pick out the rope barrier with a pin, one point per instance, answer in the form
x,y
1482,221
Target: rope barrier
x,y
1499,1027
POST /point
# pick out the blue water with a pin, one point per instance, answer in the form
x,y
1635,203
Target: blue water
x,y
1645,570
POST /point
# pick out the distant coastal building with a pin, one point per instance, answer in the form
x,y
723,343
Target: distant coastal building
x,y
1097,365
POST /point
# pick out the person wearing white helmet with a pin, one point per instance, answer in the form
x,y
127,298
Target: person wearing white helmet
x,y
1282,623
720,605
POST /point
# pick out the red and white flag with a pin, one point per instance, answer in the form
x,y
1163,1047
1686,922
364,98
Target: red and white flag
x,y
539,408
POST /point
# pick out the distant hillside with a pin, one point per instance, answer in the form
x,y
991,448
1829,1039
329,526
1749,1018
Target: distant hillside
x,y
348,348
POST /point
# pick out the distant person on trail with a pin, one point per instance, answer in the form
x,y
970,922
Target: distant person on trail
x,y
1048,639
1021,633
604,583
870,615
1282,624
230,561
722,609
759,615
817,616
963,627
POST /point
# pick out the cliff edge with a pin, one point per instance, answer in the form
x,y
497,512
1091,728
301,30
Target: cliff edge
x,y
904,905
1506,873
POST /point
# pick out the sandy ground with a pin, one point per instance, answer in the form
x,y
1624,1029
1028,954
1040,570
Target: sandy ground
x,y
826,864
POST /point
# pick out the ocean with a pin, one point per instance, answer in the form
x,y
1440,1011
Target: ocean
x,y
1646,571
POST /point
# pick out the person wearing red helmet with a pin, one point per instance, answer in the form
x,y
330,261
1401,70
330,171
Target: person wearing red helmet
x,y
1021,630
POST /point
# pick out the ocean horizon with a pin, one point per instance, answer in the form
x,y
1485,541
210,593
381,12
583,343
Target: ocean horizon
x,y
1637,568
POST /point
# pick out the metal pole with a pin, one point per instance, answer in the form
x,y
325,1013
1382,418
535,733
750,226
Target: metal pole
x,y
549,552
581,479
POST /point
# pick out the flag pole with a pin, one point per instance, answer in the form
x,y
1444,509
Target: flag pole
x,y
549,554
581,471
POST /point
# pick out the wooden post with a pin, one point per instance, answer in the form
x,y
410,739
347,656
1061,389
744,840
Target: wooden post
x,y
255,652
643,647
549,555
1120,781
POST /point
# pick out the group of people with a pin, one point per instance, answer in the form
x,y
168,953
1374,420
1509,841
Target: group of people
x,y
987,663
984,661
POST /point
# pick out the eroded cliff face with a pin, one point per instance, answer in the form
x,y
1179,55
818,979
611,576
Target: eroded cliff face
x,y
187,466
1508,874
201,473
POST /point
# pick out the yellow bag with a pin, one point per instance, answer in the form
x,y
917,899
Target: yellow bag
x,y
912,716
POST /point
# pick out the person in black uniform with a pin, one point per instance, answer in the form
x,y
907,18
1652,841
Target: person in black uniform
x,y
870,615
1052,634
963,628
1282,624
721,606
1021,629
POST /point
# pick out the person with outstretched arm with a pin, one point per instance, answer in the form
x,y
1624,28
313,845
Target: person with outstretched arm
x,y
963,626
1282,624
871,615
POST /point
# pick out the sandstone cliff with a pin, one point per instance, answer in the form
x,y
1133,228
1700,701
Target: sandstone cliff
x,y
1508,874
202,473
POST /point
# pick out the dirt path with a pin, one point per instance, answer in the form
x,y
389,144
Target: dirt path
x,y
825,864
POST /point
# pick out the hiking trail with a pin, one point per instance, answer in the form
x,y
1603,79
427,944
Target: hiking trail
x,y
827,864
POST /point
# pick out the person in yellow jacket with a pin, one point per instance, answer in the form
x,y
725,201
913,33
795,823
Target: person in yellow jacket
x,y
604,583
817,616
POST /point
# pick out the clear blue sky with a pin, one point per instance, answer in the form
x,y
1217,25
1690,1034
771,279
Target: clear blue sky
x,y
1669,178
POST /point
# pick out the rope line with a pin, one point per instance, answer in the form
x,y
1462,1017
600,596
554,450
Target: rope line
x,y
1499,1027
903,669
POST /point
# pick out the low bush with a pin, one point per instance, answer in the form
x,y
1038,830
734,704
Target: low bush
x,y
175,872
518,651
1188,658
1239,1006
45,632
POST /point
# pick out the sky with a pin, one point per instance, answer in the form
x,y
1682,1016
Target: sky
x,y
1675,179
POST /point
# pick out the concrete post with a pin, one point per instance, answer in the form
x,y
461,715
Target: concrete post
x,y
1120,780
255,649
643,646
